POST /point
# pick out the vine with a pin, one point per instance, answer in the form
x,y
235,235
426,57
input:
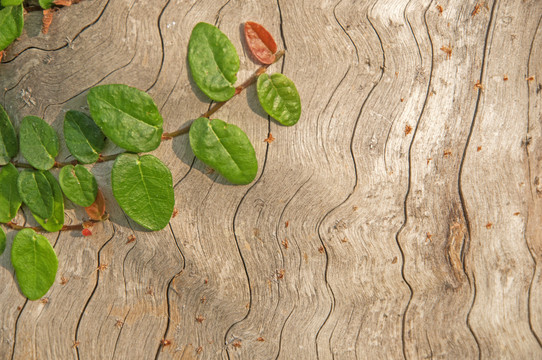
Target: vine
x,y
129,117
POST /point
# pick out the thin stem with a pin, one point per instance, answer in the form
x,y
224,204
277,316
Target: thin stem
x,y
186,127
79,227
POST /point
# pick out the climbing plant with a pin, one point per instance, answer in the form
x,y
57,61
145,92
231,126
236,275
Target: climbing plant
x,y
141,183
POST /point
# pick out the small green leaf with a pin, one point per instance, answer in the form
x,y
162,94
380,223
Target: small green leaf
x,y
39,142
2,241
11,24
78,184
10,201
11,2
225,148
36,192
126,115
213,61
56,221
143,187
84,139
279,98
46,4
9,146
35,263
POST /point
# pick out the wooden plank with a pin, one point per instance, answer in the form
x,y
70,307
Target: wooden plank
x,y
400,218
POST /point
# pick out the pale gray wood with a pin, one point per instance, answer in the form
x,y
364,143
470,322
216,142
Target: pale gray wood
x,y
383,192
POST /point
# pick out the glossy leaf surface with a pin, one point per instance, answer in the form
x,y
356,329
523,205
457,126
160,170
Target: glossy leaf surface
x,y
9,147
36,192
11,24
78,184
83,137
46,4
126,115
39,142
2,241
96,211
225,148
35,263
279,98
11,2
10,201
56,220
260,42
143,187
213,61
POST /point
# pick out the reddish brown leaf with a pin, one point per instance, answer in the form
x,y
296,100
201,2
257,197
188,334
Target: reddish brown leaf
x,y
260,42
86,232
96,211
47,19
62,2
1,55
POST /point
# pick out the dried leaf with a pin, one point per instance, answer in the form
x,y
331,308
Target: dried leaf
x,y
96,211
47,19
260,42
63,2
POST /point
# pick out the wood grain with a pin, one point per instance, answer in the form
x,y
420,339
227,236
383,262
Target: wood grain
x,y
400,218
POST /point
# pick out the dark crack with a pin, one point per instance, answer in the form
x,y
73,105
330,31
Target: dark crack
x,y
161,45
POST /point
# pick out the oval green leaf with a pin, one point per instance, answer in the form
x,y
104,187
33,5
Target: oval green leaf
x,y
84,139
2,241
213,61
39,142
78,184
279,98
10,201
36,192
225,148
11,2
35,263
126,115
8,138
56,220
11,24
46,4
143,187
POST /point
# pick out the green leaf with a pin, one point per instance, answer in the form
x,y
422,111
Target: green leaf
x,y
10,201
143,187
11,2
46,4
36,192
35,263
213,61
225,148
2,241
84,139
9,146
78,184
11,25
126,115
56,221
279,98
39,142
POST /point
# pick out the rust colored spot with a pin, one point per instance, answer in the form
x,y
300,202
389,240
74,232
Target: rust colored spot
x,y
47,19
102,267
44,300
119,323
448,50
247,305
75,344
1,55
164,343
237,344
280,274
394,261
408,129
260,339
286,224
477,8
489,225
63,280
269,139
306,257
440,10
447,153
429,160
402,99
396,74
200,319
203,299
505,78
205,281
166,137
355,208
285,243
429,236
175,212
530,78
516,213
344,240
478,85
131,239
150,291
321,250
199,350
479,148
19,308
86,232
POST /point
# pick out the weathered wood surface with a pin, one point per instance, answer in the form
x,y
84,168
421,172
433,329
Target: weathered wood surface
x,y
410,199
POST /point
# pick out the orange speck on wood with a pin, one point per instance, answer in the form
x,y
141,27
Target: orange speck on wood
x,y
489,225
269,139
131,239
408,129
237,344
285,243
479,148
260,339
394,261
440,10
448,51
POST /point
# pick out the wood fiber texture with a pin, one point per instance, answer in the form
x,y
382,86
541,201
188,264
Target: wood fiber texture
x,y
400,218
